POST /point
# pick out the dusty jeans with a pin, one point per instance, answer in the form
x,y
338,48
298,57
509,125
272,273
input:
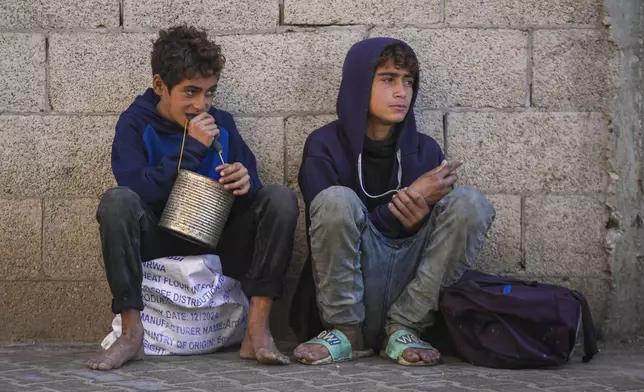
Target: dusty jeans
x,y
255,247
365,279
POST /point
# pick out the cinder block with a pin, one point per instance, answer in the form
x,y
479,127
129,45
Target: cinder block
x,y
564,236
501,251
330,12
58,14
55,155
55,311
20,238
573,69
430,122
297,130
71,244
74,153
19,171
292,72
468,67
265,137
22,85
92,72
209,14
525,12
530,151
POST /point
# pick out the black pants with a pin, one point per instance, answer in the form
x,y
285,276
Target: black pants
x,y
255,247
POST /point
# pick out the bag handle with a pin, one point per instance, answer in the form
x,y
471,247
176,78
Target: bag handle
x,y
590,337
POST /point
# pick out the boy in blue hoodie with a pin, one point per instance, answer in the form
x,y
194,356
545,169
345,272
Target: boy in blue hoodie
x,y
386,226
257,241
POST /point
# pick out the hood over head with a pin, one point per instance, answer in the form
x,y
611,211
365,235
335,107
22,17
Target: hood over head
x,y
355,92
145,107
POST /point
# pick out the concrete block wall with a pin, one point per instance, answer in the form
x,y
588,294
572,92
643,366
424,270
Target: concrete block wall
x,y
521,91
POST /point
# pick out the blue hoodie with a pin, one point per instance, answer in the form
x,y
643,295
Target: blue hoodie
x,y
330,158
146,146
331,153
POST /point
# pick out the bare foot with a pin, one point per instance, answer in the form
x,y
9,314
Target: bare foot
x,y
259,344
246,351
413,355
314,352
128,347
125,348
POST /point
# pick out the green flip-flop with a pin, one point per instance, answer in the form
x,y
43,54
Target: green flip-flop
x,y
401,340
339,347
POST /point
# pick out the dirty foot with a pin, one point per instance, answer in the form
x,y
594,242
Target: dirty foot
x,y
126,348
413,355
259,344
246,351
314,353
417,352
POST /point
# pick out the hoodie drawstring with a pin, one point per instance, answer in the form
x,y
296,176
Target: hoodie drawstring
x,y
183,143
398,176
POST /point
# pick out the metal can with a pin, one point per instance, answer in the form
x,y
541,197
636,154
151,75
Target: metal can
x,y
197,209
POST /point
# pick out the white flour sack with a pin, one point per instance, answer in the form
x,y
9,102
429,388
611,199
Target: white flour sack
x,y
190,307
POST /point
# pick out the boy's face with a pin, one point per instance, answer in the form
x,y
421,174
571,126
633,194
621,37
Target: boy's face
x,y
190,96
391,93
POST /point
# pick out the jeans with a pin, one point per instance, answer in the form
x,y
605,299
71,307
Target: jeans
x,y
255,247
366,280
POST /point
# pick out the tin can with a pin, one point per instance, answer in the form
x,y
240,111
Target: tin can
x,y
197,209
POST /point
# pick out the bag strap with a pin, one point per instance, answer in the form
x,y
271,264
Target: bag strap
x,y
503,281
590,336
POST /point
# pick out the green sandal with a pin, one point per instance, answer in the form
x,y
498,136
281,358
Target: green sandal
x,y
401,340
340,349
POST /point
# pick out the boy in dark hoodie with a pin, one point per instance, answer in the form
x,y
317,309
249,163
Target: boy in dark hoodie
x,y
257,241
386,226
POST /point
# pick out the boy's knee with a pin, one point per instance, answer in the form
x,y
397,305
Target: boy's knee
x,y
471,206
281,202
336,205
117,203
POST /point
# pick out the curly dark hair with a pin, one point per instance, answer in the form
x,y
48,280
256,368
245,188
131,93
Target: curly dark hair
x,y
181,52
402,56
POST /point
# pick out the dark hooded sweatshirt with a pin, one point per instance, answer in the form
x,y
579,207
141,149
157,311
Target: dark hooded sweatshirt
x,y
330,157
146,147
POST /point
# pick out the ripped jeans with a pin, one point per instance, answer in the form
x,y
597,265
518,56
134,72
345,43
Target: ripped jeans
x,y
364,279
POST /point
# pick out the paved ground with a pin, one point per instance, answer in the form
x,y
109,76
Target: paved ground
x,y
50,368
